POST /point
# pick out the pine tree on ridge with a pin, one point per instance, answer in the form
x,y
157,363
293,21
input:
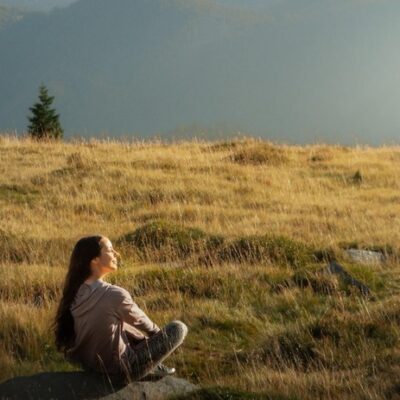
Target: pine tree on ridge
x,y
44,122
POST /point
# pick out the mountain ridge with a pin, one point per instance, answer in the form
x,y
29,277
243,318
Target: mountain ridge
x,y
297,72
82,54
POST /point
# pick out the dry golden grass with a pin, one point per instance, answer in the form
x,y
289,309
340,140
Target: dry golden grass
x,y
252,327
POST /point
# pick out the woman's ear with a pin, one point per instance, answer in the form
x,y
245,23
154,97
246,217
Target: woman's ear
x,y
93,263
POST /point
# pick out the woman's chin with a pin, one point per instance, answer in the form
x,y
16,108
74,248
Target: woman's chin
x,y
111,268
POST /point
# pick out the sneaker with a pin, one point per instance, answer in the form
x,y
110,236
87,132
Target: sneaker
x,y
163,370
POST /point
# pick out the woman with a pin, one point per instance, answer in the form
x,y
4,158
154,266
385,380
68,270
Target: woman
x,y
99,326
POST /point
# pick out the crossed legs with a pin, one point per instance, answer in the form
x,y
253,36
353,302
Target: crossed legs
x,y
153,350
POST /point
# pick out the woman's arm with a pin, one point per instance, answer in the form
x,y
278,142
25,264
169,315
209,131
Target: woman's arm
x,y
133,335
133,315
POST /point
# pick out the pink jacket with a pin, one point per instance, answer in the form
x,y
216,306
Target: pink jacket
x,y
107,322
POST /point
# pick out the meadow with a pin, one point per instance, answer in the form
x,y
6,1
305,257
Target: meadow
x,y
231,237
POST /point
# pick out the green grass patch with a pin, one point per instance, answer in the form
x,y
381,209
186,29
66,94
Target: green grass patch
x,y
162,240
17,194
268,249
366,274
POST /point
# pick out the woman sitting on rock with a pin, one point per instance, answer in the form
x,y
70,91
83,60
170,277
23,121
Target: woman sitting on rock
x,y
100,327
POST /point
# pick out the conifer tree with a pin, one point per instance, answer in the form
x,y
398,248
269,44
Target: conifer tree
x,y
44,122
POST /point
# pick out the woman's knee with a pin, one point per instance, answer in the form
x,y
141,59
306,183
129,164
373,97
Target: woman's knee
x,y
181,327
178,328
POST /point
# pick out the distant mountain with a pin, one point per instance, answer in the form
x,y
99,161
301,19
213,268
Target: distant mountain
x,y
128,65
291,70
36,5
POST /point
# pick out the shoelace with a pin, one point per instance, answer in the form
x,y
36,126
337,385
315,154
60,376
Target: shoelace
x,y
164,368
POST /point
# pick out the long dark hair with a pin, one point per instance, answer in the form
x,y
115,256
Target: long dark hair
x,y
85,250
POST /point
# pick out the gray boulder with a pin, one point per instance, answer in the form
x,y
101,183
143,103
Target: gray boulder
x,y
367,257
87,386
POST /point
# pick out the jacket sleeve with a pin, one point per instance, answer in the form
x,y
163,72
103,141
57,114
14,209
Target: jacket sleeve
x,y
129,312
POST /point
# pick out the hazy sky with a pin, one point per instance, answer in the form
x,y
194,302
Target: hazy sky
x,y
327,70
337,67
37,4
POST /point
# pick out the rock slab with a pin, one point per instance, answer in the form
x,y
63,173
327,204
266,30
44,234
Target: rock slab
x,y
86,386
367,257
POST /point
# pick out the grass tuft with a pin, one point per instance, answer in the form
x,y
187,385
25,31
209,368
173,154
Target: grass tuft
x,y
162,240
268,249
259,154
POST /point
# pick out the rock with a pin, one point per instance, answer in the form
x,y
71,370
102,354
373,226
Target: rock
x,y
366,256
88,386
335,268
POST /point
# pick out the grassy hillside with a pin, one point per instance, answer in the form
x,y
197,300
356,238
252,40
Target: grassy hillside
x,y
230,237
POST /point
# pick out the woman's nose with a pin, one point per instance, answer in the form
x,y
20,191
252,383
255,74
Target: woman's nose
x,y
117,254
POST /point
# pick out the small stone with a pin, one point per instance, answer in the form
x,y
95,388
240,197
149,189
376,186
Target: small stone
x,y
368,257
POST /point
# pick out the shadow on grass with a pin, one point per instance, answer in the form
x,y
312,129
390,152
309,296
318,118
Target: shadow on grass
x,y
59,385
87,385
219,393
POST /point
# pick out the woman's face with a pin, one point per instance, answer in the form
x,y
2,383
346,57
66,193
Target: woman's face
x,y
107,260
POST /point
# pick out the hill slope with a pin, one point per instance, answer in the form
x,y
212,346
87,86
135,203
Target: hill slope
x,y
265,318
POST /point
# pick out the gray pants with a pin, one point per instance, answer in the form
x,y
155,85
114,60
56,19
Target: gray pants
x,y
153,350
